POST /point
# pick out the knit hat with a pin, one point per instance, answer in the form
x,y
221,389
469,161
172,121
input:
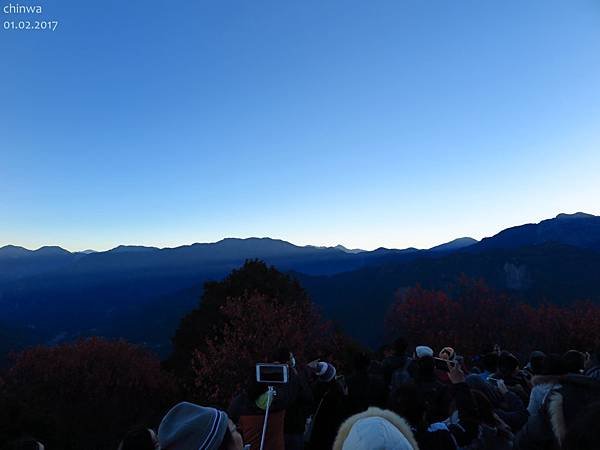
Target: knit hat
x,y
423,350
375,433
325,372
554,365
187,426
536,354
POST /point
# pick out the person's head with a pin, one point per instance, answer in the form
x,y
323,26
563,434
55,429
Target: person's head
x,y
188,426
423,351
574,361
375,429
139,438
447,353
492,393
489,362
400,346
508,364
420,408
26,443
281,356
554,365
425,368
536,362
385,351
325,372
595,356
361,362
407,401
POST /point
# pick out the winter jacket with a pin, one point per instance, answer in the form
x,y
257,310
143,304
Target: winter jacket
x,y
593,372
332,409
451,436
508,406
547,430
250,420
492,438
300,403
395,370
365,390
542,384
517,384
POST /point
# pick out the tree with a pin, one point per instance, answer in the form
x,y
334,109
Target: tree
x,y
207,320
473,318
243,320
255,327
424,317
84,395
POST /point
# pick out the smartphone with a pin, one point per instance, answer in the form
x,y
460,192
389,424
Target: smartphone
x,y
443,364
272,373
493,381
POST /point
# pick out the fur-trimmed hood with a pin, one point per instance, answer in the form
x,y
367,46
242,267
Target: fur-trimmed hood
x,y
556,415
536,380
394,419
564,403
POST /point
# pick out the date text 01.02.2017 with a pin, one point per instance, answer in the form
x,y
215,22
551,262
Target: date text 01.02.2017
x,y
50,25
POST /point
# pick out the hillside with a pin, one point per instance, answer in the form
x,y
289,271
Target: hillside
x,y
141,292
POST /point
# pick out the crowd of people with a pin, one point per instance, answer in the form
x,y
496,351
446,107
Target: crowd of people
x,y
418,400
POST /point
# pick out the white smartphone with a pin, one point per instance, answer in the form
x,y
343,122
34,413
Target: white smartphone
x,y
272,373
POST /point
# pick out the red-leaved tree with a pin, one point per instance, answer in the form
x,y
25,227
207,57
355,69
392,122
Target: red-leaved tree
x,y
474,318
84,395
254,327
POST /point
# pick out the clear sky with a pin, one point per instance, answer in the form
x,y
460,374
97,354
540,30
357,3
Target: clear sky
x,y
367,123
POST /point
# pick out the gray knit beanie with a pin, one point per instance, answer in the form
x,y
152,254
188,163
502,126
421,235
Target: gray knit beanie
x,y
191,427
325,372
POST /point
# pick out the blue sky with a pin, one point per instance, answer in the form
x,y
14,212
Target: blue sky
x,y
367,123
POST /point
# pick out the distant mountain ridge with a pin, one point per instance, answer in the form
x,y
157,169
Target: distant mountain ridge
x,y
140,292
456,244
579,230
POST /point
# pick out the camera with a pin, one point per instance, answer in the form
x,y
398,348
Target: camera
x,y
443,364
272,373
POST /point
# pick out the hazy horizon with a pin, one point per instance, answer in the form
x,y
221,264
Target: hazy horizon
x,y
300,244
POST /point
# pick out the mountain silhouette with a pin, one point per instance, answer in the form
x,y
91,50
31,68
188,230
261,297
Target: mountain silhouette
x,y
456,244
140,293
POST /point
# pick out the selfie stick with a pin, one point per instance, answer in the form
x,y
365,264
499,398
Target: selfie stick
x,y
270,395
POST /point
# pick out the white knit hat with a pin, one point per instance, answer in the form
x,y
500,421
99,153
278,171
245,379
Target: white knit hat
x,y
422,351
375,433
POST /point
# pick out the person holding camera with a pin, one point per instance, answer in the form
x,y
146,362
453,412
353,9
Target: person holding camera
x,y
250,407
331,393
299,403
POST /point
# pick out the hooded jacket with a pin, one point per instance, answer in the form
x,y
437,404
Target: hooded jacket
x,y
542,384
250,417
352,432
547,430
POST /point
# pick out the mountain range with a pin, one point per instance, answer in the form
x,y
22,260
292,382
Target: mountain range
x,y
140,293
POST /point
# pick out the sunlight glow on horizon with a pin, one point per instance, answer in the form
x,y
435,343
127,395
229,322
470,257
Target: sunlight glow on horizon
x,y
388,124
